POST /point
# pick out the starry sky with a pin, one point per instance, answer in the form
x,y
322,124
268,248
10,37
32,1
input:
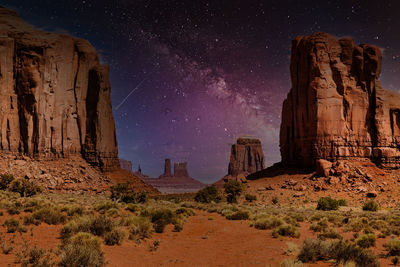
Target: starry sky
x,y
189,77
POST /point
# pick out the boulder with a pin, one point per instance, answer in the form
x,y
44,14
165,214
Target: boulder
x,y
323,168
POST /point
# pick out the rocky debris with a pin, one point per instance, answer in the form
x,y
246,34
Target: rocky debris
x,y
323,168
246,157
336,108
55,96
298,194
178,182
125,164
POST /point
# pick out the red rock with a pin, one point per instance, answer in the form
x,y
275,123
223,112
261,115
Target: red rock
x,y
298,194
323,168
246,157
55,95
336,108
362,189
372,194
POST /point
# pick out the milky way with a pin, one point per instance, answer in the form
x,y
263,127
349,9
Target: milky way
x,y
207,72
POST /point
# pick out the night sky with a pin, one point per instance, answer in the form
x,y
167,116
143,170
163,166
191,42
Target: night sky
x,y
198,74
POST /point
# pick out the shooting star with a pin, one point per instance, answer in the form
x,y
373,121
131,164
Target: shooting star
x,y
134,89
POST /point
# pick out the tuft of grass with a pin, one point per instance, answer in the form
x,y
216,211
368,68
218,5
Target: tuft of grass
x,y
366,241
238,215
50,215
115,237
82,249
370,206
327,203
286,230
267,223
140,228
13,225
393,247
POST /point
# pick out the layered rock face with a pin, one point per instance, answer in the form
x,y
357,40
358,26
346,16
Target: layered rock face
x,y
336,108
54,96
246,157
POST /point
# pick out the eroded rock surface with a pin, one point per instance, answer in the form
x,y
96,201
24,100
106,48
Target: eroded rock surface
x,y
336,108
54,96
246,157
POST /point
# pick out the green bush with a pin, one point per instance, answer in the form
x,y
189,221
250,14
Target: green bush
x,y
24,187
393,247
140,228
115,237
250,197
49,215
327,203
82,249
161,217
370,206
124,193
5,180
366,241
341,251
233,190
238,215
13,225
286,230
36,257
207,195
96,225
267,223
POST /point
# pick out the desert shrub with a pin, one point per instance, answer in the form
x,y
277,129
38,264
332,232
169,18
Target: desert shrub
x,y
357,224
113,212
366,241
233,189
338,250
140,228
72,210
13,225
186,212
250,197
124,193
393,247
370,206
5,180
132,207
267,223
49,215
160,218
29,219
114,237
207,195
238,215
82,249
286,230
106,205
35,256
24,187
6,248
327,203
14,208
319,226
96,225
329,234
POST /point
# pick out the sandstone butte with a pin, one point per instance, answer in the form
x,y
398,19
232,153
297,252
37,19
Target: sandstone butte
x,y
54,103
336,108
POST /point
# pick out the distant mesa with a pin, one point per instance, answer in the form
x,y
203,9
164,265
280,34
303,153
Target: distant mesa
x,y
337,108
247,157
178,182
126,164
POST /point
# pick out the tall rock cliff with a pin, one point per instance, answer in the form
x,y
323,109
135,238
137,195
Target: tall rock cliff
x,y
246,157
336,108
54,95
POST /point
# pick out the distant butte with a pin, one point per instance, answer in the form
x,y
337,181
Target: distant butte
x,y
337,108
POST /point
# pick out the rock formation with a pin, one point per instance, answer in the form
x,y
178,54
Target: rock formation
x,y
125,164
178,182
246,157
54,96
336,108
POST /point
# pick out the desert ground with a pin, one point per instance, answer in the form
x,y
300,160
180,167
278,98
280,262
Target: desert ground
x,y
266,227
